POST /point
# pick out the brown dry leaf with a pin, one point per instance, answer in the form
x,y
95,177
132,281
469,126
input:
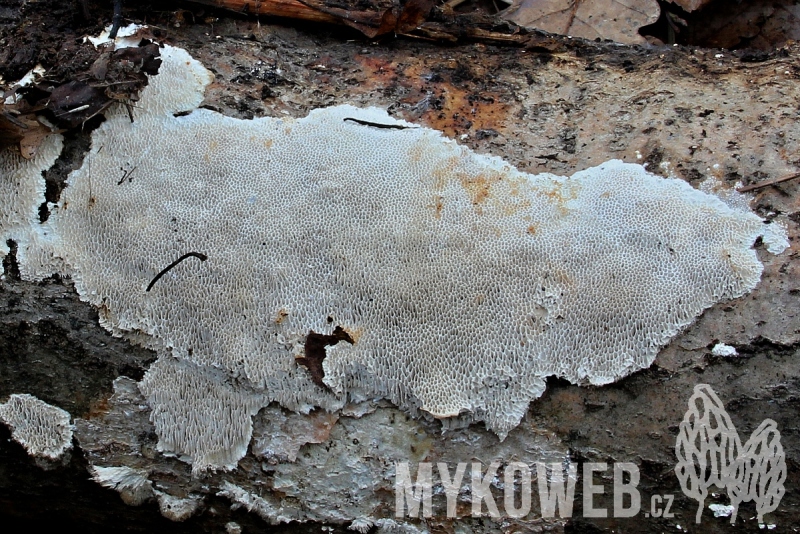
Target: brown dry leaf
x,y
412,14
11,129
32,139
690,5
73,103
618,20
21,130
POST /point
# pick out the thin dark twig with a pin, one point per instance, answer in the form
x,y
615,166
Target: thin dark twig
x,y
761,185
129,107
85,9
126,174
116,22
378,125
201,257
104,107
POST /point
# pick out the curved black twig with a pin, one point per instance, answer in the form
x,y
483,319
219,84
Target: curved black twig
x,y
126,174
201,257
378,125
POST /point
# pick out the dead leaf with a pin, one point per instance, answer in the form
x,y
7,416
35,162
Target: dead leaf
x,y
690,5
618,20
412,14
759,26
73,103
21,129
32,139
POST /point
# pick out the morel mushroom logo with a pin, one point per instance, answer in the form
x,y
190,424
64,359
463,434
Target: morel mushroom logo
x,y
710,454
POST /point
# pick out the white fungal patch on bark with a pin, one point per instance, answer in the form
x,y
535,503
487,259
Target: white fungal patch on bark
x,y
132,484
44,430
21,193
461,282
721,349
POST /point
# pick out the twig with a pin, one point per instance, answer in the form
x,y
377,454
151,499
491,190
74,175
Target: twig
x,y
126,174
279,8
201,257
761,185
116,21
378,125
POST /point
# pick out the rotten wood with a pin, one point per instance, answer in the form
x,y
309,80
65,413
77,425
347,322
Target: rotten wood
x,y
372,23
290,9
418,19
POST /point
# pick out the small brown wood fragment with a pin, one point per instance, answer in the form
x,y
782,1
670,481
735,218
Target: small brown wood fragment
x,y
315,352
762,185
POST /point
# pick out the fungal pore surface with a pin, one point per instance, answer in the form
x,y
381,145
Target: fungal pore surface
x,y
453,283
22,190
44,430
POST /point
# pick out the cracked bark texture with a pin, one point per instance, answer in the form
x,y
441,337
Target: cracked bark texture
x,y
690,112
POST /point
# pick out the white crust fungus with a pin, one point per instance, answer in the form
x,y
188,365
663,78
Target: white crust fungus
x,y
127,36
361,525
390,526
198,414
241,498
461,282
176,508
281,434
44,430
723,350
132,484
721,510
21,193
774,233
775,237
